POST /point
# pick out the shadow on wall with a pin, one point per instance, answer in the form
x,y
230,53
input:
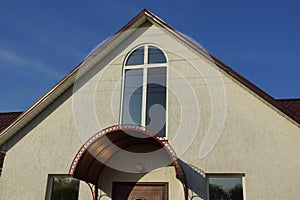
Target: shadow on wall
x,y
109,176
196,182
195,178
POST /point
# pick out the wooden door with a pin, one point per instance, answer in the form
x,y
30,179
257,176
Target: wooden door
x,y
140,191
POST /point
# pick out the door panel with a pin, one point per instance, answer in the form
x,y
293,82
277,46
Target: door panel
x,y
140,191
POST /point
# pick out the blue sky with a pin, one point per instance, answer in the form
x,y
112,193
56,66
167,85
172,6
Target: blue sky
x,y
42,41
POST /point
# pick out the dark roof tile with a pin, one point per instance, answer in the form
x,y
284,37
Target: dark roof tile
x,y
293,105
7,118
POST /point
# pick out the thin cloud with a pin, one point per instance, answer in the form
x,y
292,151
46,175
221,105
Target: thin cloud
x,y
21,61
63,47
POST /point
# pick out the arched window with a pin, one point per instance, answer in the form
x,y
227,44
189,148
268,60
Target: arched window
x,y
144,88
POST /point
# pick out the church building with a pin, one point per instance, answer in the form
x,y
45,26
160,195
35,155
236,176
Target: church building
x,y
151,115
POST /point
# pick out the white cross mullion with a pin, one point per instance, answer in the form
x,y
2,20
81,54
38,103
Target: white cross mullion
x,y
144,98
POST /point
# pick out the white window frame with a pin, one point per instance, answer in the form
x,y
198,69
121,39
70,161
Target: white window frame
x,y
144,67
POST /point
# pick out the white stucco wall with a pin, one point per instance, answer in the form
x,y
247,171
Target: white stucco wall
x,y
255,139
48,147
165,174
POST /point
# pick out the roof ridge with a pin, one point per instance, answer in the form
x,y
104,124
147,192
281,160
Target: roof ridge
x,y
67,80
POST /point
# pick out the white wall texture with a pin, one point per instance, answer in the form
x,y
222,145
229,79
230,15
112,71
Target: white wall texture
x,y
255,140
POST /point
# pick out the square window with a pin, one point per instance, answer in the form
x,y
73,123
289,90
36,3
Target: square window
x,y
225,187
62,187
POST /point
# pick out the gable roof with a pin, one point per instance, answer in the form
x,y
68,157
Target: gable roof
x,y
137,21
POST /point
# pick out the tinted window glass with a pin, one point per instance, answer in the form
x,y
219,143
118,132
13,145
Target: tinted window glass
x,y
65,188
132,98
136,57
225,188
155,55
156,100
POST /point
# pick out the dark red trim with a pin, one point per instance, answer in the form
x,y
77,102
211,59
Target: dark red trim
x,y
95,192
79,168
180,36
227,69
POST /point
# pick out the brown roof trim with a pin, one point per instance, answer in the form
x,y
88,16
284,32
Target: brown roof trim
x,y
256,89
67,77
132,21
38,102
228,70
91,158
33,110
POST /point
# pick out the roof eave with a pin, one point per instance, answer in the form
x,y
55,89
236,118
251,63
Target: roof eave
x,y
262,94
68,80
64,84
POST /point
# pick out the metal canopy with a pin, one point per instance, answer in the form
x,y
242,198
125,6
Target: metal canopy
x,y
104,145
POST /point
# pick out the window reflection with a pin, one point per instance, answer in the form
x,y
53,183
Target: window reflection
x,y
225,188
132,98
144,92
136,57
63,188
156,99
155,55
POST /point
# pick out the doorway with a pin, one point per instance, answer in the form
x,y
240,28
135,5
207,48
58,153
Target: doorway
x,y
140,191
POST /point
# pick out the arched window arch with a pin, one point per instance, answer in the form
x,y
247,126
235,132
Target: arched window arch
x,y
144,88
